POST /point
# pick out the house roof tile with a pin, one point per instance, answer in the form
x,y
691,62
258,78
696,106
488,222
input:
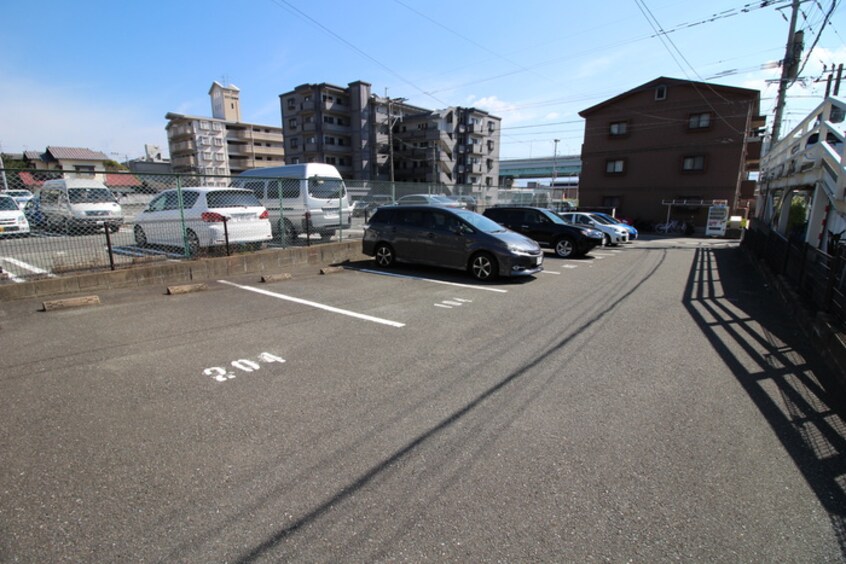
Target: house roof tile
x,y
76,154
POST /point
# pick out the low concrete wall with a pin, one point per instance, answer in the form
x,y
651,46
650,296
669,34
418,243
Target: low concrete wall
x,y
269,261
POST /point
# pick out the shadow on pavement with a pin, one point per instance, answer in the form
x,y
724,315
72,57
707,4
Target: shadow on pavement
x,y
790,386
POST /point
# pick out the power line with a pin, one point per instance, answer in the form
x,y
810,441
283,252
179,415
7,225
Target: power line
x,y
301,14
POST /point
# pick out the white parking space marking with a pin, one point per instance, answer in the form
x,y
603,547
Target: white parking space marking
x,y
569,266
454,302
544,271
25,266
316,305
409,277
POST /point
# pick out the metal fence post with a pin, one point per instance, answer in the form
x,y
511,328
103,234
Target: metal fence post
x,y
106,228
185,246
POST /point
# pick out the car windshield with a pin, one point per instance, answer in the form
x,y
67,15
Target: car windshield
x,y
480,222
7,203
611,220
326,188
232,199
18,193
90,195
601,219
440,200
553,217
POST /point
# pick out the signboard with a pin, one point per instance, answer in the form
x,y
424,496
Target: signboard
x,y
717,218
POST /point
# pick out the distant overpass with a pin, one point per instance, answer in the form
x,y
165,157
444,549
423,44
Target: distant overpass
x,y
542,167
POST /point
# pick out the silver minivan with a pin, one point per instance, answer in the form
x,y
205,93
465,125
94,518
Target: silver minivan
x,y
77,204
306,198
452,238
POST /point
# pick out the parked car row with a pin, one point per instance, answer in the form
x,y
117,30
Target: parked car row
x,y
503,241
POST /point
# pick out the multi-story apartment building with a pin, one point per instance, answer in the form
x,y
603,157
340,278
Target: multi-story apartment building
x,y
671,140
223,144
368,137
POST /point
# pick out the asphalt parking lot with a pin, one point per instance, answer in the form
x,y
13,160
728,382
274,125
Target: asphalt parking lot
x,y
646,403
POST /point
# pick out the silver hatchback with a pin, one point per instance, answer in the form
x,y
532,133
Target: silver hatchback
x,y
452,238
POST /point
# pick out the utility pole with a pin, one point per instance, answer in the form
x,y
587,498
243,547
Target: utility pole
x,y
391,131
390,142
789,69
3,170
555,163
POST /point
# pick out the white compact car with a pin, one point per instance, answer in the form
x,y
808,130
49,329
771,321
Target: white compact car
x,y
20,196
203,217
613,234
12,220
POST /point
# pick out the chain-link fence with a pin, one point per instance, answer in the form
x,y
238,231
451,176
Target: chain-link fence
x,y
53,222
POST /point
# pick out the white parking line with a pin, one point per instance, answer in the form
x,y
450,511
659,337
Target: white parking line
x,y
569,266
315,305
545,271
394,275
25,266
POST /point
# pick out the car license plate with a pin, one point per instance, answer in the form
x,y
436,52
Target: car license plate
x,y
538,261
241,216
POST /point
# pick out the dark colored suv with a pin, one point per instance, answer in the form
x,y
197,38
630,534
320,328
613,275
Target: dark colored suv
x,y
547,228
448,237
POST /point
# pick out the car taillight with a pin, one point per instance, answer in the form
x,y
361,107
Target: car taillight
x,y
264,215
212,217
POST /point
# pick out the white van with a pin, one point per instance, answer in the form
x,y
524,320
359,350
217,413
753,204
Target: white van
x,y
74,205
302,198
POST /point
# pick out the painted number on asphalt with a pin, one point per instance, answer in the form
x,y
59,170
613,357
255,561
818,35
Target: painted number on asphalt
x,y
221,374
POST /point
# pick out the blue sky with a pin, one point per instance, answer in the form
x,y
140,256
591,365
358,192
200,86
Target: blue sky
x,y
102,75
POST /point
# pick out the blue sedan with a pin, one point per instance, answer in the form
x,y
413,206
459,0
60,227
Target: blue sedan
x,y
632,230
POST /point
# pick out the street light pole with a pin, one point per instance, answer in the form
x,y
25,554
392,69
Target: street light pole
x,y
555,163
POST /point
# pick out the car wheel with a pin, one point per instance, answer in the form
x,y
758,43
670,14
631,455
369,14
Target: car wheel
x,y
564,247
483,266
64,226
384,255
114,228
193,243
140,236
288,233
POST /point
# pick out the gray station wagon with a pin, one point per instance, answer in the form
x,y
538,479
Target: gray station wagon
x,y
452,238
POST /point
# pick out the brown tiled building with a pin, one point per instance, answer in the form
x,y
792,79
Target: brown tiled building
x,y
671,140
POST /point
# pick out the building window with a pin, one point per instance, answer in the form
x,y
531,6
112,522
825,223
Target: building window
x,y
693,163
216,126
84,170
294,143
292,123
699,121
292,103
204,125
611,202
661,92
328,119
618,129
615,166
